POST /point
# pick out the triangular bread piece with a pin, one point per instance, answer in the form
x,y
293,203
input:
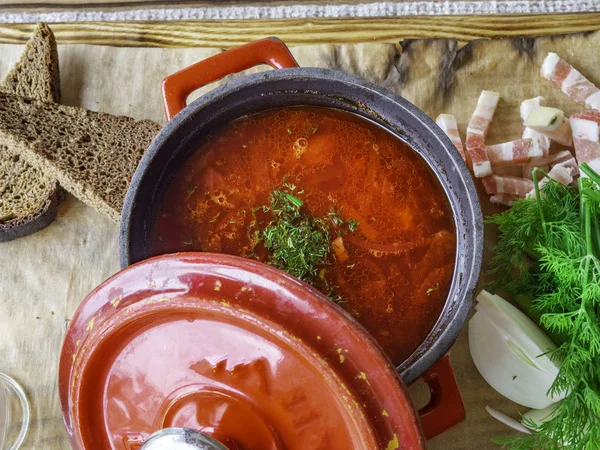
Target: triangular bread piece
x,y
93,155
28,199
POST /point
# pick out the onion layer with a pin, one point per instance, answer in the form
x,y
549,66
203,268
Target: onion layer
x,y
509,350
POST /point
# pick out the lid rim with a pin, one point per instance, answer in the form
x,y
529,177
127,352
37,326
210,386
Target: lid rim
x,y
291,293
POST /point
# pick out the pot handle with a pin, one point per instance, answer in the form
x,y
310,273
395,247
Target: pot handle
x,y
446,408
177,87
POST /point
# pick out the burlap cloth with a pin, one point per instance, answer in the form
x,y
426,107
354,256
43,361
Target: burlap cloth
x,y
44,277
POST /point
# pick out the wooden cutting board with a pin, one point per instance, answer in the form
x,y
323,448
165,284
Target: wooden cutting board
x,y
44,277
231,33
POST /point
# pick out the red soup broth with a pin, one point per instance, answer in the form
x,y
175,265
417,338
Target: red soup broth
x,y
400,257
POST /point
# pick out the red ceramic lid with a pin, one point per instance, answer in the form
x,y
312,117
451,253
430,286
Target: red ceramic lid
x,y
230,347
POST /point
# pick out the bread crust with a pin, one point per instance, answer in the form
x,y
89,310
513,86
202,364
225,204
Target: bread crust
x,y
36,75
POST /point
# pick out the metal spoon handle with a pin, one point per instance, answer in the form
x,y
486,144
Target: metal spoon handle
x,y
181,439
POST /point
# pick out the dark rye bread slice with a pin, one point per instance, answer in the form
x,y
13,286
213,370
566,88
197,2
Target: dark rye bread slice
x,y
29,199
36,74
92,155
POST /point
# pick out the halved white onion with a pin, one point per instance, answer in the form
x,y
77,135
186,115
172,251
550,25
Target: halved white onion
x,y
507,349
519,329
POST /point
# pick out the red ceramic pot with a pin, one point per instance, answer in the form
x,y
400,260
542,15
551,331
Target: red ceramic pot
x,y
233,348
292,85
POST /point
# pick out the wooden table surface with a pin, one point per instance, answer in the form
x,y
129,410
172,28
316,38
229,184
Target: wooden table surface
x,y
231,33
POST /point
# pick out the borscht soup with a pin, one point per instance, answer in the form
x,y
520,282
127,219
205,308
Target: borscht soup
x,y
331,198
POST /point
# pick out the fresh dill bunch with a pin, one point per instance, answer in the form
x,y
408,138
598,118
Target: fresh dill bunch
x,y
565,285
521,228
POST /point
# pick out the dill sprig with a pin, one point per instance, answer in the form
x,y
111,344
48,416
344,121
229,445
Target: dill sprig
x,y
521,230
299,243
548,248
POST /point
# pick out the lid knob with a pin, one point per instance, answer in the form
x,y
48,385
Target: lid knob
x,y
181,439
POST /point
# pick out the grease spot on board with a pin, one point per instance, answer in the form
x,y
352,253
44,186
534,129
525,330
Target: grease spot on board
x,y
525,46
447,66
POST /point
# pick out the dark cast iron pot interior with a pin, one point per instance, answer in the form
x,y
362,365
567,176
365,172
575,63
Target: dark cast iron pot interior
x,y
327,88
